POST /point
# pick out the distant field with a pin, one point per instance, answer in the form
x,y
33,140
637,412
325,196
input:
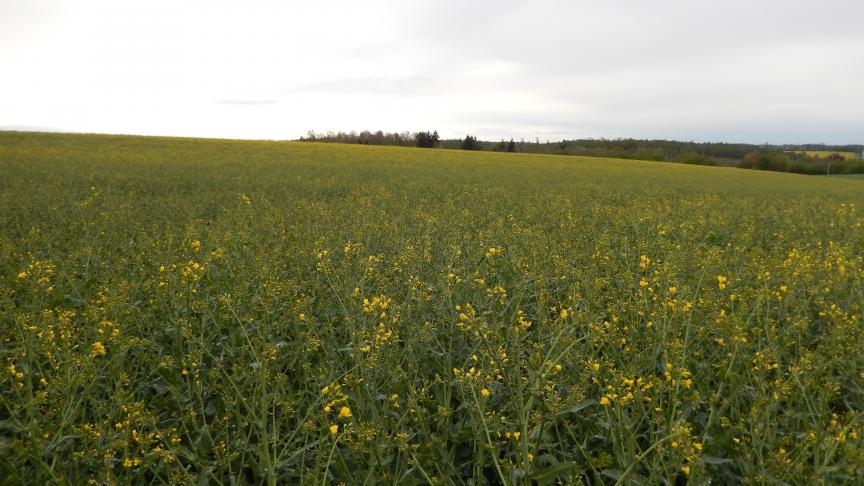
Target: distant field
x,y
826,153
178,311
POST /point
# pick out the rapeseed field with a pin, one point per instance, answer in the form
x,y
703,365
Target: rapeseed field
x,y
824,154
179,311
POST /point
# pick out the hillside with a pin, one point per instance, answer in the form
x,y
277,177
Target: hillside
x,y
192,310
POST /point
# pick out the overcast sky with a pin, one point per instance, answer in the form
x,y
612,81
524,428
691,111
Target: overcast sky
x,y
780,71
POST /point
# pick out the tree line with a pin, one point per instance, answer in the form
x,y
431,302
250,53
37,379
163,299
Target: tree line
x,y
781,158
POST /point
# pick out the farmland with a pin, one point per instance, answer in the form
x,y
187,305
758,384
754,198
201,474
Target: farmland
x,y
212,311
823,154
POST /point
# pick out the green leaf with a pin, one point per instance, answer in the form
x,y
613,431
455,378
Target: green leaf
x,y
615,474
714,460
7,426
551,473
578,407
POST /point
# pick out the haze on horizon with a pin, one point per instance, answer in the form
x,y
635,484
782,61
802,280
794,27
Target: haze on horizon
x,y
737,71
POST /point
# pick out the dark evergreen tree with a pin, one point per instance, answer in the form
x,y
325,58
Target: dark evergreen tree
x,y
470,143
426,139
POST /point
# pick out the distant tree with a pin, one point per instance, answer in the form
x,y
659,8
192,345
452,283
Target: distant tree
x,y
426,139
695,158
764,160
365,137
646,153
792,158
470,143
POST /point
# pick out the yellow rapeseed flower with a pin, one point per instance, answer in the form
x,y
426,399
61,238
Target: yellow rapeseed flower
x,y
344,412
334,429
97,349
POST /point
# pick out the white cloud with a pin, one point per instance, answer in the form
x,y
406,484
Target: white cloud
x,y
778,71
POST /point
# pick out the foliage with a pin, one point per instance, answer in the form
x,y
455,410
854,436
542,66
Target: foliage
x,y
426,139
500,146
404,139
178,311
470,143
783,158
762,160
696,159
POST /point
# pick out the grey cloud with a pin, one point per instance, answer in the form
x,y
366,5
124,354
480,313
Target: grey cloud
x,y
390,86
738,70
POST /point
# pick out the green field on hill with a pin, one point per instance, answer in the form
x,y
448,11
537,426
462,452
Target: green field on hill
x,y
824,154
231,312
